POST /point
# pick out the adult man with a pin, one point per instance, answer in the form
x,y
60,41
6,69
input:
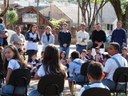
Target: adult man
x,y
112,64
64,38
82,38
17,38
119,35
98,37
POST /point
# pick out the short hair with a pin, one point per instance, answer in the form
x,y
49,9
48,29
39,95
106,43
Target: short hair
x,y
1,20
75,54
119,21
95,70
115,45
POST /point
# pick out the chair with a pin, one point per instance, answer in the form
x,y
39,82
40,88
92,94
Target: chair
x,y
20,78
120,75
51,85
96,92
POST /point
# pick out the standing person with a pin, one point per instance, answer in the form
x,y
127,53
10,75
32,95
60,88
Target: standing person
x,y
64,38
112,64
33,38
47,37
12,62
119,35
51,65
98,37
3,33
17,38
82,38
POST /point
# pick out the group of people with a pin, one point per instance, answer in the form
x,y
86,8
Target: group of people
x,y
101,67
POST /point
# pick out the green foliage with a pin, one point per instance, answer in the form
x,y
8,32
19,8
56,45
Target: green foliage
x,y
12,17
57,23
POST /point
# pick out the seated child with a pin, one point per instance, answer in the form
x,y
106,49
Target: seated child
x,y
34,63
83,55
89,56
94,74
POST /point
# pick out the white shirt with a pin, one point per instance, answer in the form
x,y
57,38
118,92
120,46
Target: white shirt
x,y
99,85
111,65
41,71
13,64
32,45
80,36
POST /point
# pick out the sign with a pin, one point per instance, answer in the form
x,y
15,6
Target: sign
x,y
29,17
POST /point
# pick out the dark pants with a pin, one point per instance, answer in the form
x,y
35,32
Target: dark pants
x,y
79,48
30,53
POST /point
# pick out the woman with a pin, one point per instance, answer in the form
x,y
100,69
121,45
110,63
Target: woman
x,y
47,37
12,62
51,65
33,39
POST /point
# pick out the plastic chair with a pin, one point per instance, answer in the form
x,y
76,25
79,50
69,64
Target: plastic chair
x,y
51,85
20,78
96,92
120,75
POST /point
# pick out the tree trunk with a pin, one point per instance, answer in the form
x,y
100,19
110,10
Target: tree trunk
x,y
117,6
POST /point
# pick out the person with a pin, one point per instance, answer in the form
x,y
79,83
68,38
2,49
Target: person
x,y
119,35
83,55
106,57
74,70
62,55
89,56
64,38
33,39
98,57
47,37
1,66
34,63
125,53
95,74
3,33
12,62
82,38
51,65
112,64
98,37
17,38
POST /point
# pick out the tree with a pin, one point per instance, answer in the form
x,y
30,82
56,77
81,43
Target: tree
x,y
121,10
6,4
12,17
90,10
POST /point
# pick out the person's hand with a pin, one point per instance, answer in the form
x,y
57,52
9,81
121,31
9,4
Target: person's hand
x,y
83,39
65,45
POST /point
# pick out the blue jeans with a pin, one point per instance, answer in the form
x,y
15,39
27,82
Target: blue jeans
x,y
8,89
66,50
111,84
35,93
79,48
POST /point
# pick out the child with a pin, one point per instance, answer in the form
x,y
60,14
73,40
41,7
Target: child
x,y
41,58
89,56
34,63
94,74
12,62
125,53
106,57
98,56
21,53
83,55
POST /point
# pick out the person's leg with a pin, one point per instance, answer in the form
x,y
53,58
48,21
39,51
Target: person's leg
x,y
61,49
7,89
67,52
71,86
110,84
78,48
35,93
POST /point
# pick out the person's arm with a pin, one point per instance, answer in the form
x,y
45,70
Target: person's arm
x,y
69,40
9,71
52,40
60,39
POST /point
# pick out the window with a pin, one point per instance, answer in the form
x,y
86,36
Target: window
x,y
109,26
